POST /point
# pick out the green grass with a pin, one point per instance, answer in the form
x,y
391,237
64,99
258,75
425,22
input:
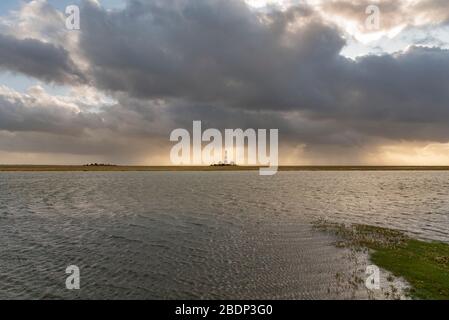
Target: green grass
x,y
423,264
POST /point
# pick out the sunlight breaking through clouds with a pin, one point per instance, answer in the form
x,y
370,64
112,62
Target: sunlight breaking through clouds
x,y
314,69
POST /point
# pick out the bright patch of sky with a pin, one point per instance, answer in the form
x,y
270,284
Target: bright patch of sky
x,y
108,4
22,83
8,5
438,37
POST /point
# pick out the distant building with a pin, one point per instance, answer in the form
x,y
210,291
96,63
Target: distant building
x,y
225,162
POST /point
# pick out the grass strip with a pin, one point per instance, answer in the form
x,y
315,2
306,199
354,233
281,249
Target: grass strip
x,y
423,264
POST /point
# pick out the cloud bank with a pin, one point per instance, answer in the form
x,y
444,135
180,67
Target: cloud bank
x,y
164,63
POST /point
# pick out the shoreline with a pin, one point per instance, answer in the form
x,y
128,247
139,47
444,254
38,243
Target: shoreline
x,y
424,265
118,168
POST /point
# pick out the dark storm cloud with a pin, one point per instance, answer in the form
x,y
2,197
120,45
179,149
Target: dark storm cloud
x,y
220,56
38,59
412,87
210,51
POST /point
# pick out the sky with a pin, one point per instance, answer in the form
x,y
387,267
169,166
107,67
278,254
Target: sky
x,y
340,91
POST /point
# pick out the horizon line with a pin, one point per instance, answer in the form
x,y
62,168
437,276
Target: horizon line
x,y
110,167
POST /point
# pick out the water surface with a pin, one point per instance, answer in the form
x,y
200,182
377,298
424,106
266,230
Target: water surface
x,y
194,235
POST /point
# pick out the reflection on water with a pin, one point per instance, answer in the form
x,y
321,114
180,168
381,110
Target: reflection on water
x,y
155,235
